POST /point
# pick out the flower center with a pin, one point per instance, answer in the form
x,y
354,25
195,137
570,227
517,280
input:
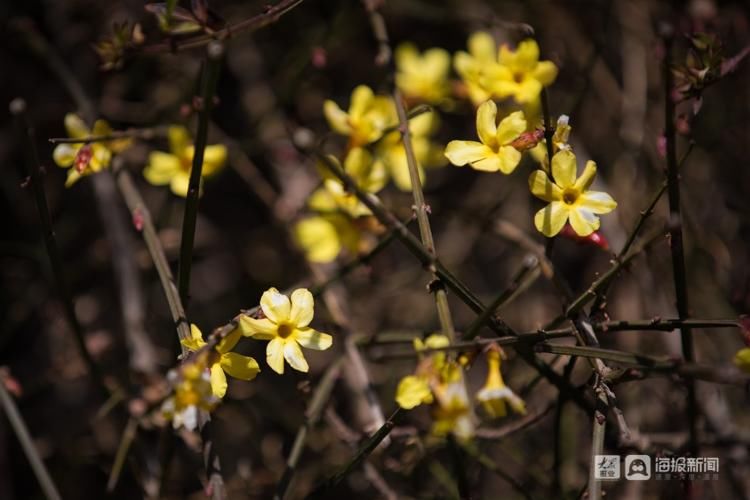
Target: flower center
x,y
285,330
518,76
570,195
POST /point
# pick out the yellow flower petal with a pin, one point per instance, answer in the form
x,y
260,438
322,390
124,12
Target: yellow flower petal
x,y
180,183
399,170
214,158
564,168
436,62
313,339
218,381
511,127
587,177
338,120
482,46
161,168
302,307
275,355
742,359
486,128
583,221
259,329
509,158
318,238
406,55
72,178
460,153
65,154
362,98
228,343
528,90
275,305
527,54
597,202
543,188
239,366
75,126
545,72
179,139
412,391
295,358
551,219
101,127
195,341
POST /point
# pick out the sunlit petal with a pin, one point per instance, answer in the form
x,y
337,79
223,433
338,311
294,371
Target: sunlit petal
x,y
275,305
275,355
583,221
462,152
260,329
239,366
302,307
312,339
486,128
511,127
543,188
597,202
338,119
564,168
295,358
218,381
509,158
551,219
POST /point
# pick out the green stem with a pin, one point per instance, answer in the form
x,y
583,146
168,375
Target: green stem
x,y
210,77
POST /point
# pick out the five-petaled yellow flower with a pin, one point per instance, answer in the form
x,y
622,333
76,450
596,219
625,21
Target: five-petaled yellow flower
x,y
568,197
423,77
192,392
236,365
495,152
286,326
89,158
495,394
391,152
174,168
366,119
520,74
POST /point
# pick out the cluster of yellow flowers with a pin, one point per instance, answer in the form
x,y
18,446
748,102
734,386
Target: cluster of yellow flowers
x,y
173,168
439,380
202,381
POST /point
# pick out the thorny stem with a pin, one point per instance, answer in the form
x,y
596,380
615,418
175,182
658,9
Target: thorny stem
x,y
675,235
34,171
210,76
27,443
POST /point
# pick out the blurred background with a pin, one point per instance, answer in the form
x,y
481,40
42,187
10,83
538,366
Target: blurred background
x,y
273,83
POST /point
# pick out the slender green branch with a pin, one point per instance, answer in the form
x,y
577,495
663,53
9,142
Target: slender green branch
x,y
27,443
317,405
210,76
675,236
128,435
36,177
599,427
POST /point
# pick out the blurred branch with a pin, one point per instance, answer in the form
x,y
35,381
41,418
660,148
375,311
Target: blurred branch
x,y
126,440
27,443
210,76
270,16
135,133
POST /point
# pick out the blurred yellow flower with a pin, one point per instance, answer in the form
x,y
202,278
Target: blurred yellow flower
x,y
495,152
742,359
236,365
286,326
89,158
192,392
568,197
495,394
520,74
422,77
390,150
369,175
323,237
474,66
414,390
453,412
174,168
367,117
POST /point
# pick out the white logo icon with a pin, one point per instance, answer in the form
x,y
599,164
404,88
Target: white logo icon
x,y
637,467
606,467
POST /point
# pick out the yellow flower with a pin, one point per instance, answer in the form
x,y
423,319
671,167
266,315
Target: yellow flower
x,y
370,176
90,158
473,67
173,168
324,237
559,141
495,152
453,412
366,119
568,197
495,394
520,73
391,153
414,390
286,326
192,392
742,359
236,365
422,77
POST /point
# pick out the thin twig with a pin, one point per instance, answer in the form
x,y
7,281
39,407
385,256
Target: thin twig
x,y
128,435
210,77
131,133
